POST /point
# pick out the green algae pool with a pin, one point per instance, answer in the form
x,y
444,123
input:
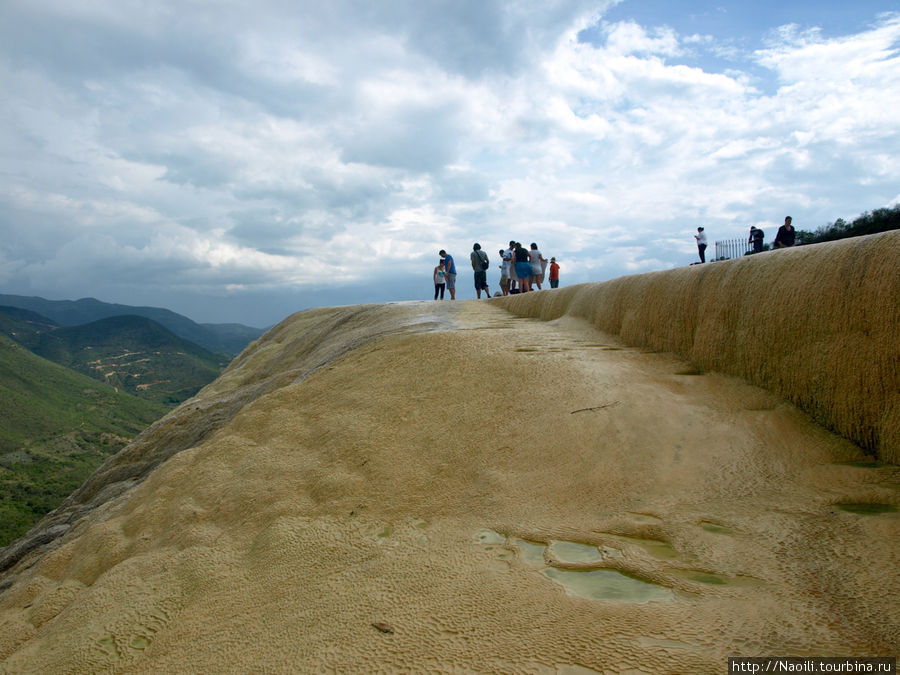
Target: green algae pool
x,y
606,584
863,509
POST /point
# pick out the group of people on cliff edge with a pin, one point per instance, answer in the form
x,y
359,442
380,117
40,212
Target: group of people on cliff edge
x,y
521,270
783,239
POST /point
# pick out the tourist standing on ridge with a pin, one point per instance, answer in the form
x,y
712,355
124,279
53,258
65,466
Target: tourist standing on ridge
x,y
440,280
554,273
701,243
504,272
523,268
537,265
510,255
481,265
785,236
450,269
756,238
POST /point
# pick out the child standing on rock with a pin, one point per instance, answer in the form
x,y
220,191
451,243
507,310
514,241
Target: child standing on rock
x,y
440,280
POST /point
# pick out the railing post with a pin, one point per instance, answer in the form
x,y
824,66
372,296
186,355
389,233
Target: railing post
x,y
732,248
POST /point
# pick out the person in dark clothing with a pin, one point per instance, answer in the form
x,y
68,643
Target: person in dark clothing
x,y
480,265
785,236
756,238
523,268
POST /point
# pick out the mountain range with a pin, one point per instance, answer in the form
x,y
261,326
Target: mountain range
x,y
79,380
228,338
131,353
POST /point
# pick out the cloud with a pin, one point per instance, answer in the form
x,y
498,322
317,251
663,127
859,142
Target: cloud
x,y
204,148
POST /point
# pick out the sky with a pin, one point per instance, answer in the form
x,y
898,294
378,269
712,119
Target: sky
x,y
238,162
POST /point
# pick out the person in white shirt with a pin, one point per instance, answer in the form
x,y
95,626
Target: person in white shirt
x,y
508,257
538,261
701,243
504,272
440,280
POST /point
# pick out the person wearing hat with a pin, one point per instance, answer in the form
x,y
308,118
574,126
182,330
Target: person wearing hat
x,y
554,273
701,243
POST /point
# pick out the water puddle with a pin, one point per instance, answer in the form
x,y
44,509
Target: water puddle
x,y
867,509
655,547
593,584
571,552
140,643
710,526
608,585
532,554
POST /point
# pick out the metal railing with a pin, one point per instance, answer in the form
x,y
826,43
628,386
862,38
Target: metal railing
x,y
732,248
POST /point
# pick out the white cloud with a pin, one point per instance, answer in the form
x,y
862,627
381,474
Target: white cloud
x,y
204,146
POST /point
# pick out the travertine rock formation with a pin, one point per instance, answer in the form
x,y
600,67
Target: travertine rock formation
x,y
451,487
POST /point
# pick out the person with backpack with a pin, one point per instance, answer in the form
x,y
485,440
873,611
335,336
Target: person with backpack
x,y
756,238
480,264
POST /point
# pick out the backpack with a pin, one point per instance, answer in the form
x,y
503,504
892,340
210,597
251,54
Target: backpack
x,y
485,265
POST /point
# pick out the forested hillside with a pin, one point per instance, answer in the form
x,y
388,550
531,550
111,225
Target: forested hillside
x,y
58,427
131,353
229,338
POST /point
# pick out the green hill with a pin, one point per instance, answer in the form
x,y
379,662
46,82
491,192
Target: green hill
x,y
58,427
21,324
229,338
133,354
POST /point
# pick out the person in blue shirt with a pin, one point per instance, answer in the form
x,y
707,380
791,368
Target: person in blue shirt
x,y
450,268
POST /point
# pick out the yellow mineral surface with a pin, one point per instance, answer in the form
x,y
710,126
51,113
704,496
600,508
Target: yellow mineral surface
x,y
636,476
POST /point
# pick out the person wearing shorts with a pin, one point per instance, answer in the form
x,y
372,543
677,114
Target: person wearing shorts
x,y
480,265
523,268
537,265
450,268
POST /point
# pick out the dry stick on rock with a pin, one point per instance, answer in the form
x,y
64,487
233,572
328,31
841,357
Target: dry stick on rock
x,y
598,407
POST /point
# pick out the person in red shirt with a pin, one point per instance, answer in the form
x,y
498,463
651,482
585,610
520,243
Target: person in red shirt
x,y
554,273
